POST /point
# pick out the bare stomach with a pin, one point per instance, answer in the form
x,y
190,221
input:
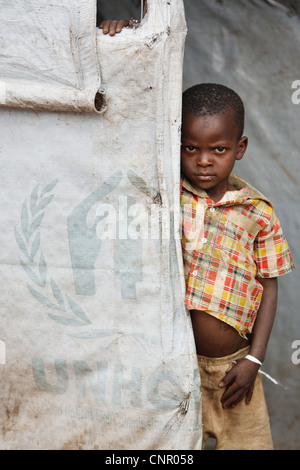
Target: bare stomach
x,y
213,337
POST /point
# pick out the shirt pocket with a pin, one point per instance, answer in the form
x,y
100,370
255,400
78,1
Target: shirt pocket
x,y
238,238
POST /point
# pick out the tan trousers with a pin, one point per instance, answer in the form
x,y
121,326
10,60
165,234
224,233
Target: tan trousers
x,y
244,427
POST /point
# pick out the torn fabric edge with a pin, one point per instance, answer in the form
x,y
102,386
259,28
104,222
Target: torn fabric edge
x,y
49,98
88,97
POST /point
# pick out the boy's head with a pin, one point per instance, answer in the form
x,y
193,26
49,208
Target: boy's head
x,y
208,99
212,136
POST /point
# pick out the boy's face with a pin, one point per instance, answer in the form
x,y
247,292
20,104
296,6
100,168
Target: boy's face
x,y
209,148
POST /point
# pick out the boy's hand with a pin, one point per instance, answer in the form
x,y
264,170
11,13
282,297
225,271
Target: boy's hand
x,y
239,383
113,26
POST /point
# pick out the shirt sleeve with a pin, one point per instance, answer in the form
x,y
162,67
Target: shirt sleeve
x,y
272,254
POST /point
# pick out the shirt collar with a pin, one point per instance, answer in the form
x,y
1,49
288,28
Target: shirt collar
x,y
243,192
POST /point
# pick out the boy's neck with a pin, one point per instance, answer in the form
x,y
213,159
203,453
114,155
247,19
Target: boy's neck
x,y
218,196
236,184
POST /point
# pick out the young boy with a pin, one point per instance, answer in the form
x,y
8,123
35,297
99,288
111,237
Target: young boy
x,y
233,250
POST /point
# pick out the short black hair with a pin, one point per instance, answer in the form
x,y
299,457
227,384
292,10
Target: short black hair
x,y
207,99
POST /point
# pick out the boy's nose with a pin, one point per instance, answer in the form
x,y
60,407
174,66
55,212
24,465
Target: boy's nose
x,y
203,159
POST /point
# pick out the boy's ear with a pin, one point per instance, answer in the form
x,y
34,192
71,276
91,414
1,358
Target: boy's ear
x,y
241,147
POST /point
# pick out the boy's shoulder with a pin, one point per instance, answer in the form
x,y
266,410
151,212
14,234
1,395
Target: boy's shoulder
x,y
251,191
254,206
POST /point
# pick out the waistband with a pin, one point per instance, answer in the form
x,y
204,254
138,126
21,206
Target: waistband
x,y
224,359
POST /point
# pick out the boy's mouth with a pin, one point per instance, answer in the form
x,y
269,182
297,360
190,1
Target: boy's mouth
x,y
204,177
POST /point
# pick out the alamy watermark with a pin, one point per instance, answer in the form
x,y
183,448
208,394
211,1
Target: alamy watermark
x,y
296,94
138,221
296,354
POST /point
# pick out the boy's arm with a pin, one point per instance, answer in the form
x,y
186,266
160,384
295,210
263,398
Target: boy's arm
x,y
265,318
239,381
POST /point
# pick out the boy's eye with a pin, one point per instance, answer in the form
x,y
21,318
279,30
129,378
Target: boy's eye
x,y
189,148
220,149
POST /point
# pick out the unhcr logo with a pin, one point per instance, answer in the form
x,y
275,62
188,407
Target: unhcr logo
x,y
127,223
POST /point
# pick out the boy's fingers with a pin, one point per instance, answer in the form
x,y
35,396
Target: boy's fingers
x,y
108,26
229,392
249,395
232,402
226,380
105,26
112,27
121,24
232,396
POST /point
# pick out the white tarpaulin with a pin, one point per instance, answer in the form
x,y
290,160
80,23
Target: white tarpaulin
x,y
96,348
49,57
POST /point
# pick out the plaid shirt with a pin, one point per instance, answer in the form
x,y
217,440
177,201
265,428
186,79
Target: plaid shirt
x,y
227,246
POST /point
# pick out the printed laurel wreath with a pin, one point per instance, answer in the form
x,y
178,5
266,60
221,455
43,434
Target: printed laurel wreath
x,y
32,214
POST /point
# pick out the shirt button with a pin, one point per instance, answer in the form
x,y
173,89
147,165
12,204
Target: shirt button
x,y
195,273
212,209
204,240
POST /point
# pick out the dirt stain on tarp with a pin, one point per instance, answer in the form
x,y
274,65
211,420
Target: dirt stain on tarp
x,y
80,443
11,413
